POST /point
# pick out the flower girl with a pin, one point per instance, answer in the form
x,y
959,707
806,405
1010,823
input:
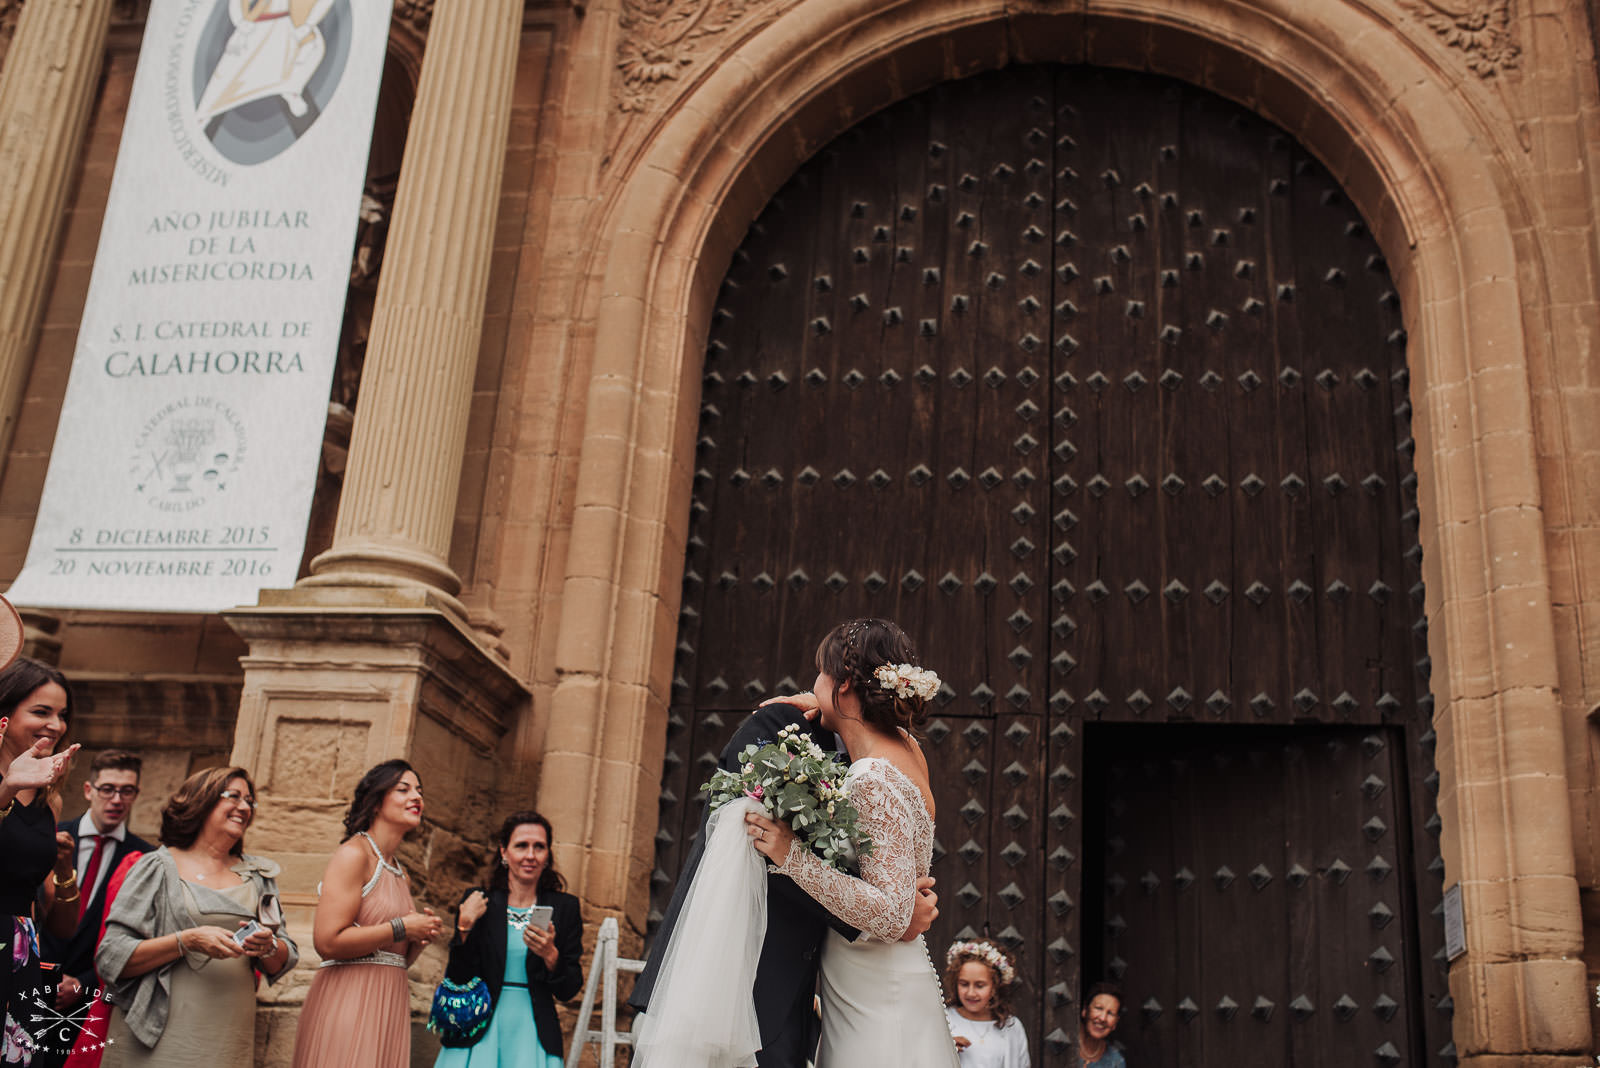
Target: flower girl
x,y
978,975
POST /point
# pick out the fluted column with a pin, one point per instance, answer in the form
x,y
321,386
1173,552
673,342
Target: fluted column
x,y
398,503
46,89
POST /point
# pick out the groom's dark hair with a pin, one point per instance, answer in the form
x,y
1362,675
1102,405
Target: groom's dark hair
x,y
853,651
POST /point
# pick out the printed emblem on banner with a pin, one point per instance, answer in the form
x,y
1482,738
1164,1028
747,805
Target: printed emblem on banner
x,y
265,70
187,452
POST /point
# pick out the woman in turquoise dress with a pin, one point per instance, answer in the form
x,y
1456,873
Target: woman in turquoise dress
x,y
525,965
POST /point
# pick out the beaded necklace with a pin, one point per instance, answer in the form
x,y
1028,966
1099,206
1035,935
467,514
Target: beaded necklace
x,y
390,866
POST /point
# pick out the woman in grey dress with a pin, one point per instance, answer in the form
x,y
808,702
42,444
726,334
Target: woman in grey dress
x,y
182,984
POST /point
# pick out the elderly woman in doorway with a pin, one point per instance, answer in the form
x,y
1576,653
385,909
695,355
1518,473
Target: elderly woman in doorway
x,y
358,1012
190,928
522,939
1098,1018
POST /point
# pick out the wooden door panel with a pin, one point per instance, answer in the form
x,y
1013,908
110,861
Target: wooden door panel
x,y
987,861
897,401
1251,899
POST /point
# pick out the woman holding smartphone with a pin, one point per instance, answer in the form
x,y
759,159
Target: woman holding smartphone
x,y
185,936
523,938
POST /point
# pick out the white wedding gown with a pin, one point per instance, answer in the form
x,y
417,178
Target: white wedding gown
x,y
881,1004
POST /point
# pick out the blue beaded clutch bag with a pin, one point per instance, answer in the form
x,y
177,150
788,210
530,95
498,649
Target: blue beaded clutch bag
x,y
460,1012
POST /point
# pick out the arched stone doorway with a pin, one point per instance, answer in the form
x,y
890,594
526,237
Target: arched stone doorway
x,y
1097,383
1411,146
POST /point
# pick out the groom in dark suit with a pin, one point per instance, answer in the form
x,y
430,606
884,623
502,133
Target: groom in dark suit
x,y
786,976
101,840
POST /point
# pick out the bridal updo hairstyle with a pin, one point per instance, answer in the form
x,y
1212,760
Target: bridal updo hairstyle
x,y
856,649
370,792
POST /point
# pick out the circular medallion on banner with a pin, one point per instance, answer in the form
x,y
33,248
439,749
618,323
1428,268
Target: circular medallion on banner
x,y
187,452
265,70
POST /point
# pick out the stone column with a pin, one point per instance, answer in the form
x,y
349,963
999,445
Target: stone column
x,y
46,89
398,504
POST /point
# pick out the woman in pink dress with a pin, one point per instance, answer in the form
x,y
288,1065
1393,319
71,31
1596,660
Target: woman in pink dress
x,y
358,1012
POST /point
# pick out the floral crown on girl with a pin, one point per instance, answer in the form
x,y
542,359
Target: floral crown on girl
x,y
987,954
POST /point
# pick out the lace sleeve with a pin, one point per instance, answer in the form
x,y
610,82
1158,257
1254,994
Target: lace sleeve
x,y
879,902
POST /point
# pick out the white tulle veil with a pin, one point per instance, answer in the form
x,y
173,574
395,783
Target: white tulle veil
x,y
702,1012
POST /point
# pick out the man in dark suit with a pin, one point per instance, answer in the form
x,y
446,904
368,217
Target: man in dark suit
x,y
786,976
103,840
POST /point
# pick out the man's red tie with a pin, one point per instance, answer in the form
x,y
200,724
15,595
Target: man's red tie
x,y
101,841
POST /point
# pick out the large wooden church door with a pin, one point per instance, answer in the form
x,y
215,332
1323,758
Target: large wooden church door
x,y
1096,384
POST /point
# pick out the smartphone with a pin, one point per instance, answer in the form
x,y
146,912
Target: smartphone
x,y
246,931
541,916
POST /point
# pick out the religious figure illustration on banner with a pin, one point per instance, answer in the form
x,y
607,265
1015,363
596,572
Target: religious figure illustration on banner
x,y
265,70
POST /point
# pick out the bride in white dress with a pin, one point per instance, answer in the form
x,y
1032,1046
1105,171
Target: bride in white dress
x,y
881,1002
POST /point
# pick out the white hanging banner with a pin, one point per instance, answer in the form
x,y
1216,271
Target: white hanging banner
x,y
186,456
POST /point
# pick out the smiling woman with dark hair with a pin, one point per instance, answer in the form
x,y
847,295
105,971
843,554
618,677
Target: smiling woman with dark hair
x,y
357,1013
35,710
370,793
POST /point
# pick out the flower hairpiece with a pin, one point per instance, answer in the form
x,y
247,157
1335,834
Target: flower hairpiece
x,y
986,953
904,680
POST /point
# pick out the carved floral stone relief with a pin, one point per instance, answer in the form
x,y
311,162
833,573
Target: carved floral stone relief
x,y
661,38
1481,29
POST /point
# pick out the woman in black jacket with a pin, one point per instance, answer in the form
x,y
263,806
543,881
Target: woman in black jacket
x,y
524,964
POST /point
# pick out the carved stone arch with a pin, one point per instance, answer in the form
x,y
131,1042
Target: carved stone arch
x,y
1412,149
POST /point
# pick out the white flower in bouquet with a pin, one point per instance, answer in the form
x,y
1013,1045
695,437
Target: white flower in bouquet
x,y
797,782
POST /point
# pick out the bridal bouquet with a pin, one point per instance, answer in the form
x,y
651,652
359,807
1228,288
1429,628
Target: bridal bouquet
x,y
800,784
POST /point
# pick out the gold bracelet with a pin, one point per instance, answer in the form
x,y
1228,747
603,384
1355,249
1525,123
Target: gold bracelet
x,y
68,881
68,900
4,812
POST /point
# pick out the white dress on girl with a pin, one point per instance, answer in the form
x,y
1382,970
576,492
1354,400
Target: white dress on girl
x,y
990,1046
881,1004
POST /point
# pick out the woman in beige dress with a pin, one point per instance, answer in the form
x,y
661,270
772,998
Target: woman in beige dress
x,y
182,983
358,1012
